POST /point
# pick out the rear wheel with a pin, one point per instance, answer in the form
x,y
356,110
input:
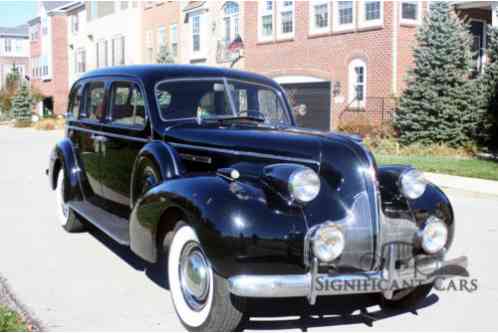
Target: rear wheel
x,y
407,298
67,217
200,296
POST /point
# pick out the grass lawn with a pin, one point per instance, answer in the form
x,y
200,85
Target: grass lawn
x,y
452,166
11,321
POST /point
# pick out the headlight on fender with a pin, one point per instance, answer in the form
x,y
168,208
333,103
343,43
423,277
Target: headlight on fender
x,y
413,184
328,242
434,235
304,185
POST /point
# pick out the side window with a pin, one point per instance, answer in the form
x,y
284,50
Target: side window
x,y
94,101
75,102
127,105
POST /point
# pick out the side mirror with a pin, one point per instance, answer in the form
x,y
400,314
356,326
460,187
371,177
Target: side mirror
x,y
300,110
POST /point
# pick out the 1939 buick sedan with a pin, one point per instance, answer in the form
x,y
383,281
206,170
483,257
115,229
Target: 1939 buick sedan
x,y
205,168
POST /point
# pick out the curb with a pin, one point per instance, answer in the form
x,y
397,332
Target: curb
x,y
8,299
482,186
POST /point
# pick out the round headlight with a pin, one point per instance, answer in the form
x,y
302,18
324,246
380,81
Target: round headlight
x,y
328,243
413,184
304,185
434,235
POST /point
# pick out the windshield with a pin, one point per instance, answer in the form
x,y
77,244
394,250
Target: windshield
x,y
212,99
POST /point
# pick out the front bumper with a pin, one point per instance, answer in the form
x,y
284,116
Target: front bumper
x,y
313,284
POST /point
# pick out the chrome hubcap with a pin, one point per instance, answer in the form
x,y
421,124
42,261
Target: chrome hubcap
x,y
195,276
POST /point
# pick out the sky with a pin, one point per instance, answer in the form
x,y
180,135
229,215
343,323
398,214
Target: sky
x,y
14,13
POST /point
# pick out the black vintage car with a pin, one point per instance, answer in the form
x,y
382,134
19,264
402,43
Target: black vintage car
x,y
205,168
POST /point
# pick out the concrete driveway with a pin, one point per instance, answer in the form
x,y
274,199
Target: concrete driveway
x,y
86,282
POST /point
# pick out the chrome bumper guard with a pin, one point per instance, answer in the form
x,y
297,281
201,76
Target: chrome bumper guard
x,y
313,284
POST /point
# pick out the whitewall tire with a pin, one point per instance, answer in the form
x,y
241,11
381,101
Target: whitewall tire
x,y
200,297
67,217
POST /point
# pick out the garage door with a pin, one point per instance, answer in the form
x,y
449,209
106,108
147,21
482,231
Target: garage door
x,y
316,97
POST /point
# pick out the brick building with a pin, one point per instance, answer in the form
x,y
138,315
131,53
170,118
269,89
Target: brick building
x,y
160,28
14,51
340,59
48,56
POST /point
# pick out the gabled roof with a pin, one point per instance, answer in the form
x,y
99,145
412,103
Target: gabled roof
x,y
19,31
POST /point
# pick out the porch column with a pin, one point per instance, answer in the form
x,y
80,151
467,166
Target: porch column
x,y
494,14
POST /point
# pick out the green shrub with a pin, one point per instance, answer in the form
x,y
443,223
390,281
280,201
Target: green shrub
x,y
11,321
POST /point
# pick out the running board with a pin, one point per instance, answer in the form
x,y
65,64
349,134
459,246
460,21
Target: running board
x,y
113,226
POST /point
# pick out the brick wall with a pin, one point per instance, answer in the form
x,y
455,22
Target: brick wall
x,y
164,14
326,56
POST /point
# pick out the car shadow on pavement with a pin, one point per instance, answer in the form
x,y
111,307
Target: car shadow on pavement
x,y
264,313
328,311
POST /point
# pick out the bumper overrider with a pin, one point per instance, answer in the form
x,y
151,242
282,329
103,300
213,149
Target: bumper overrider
x,y
313,283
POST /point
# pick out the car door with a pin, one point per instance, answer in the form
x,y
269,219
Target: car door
x,y
126,131
85,135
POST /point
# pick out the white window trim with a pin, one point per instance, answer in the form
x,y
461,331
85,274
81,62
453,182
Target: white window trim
x,y
363,23
149,35
201,53
352,80
335,20
280,9
262,11
161,32
313,29
173,38
410,21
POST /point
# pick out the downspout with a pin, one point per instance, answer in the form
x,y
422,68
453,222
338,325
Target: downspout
x,y
394,48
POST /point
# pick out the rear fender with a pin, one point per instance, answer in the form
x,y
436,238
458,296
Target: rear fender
x,y
240,227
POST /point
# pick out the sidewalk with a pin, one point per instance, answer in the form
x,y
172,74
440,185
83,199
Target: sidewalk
x,y
475,185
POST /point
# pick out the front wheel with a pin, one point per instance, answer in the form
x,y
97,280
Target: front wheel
x,y
200,296
67,217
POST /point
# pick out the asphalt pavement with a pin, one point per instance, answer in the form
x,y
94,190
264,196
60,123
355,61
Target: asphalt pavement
x,y
86,282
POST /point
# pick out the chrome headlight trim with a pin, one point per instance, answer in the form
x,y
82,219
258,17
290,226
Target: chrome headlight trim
x,y
434,235
304,185
412,184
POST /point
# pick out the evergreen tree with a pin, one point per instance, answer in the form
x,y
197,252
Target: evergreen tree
x,y
164,56
438,105
21,106
488,129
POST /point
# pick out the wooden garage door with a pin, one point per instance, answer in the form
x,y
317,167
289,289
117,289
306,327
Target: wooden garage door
x,y
316,97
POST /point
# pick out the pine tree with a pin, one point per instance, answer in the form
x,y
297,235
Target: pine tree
x,y
438,105
164,56
21,106
488,128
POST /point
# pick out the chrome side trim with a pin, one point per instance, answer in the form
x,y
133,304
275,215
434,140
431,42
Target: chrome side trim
x,y
245,153
114,135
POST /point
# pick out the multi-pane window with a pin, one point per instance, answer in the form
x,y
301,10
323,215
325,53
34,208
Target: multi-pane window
x,y
409,11
80,61
102,57
319,16
161,37
287,23
345,12
8,45
118,50
75,23
372,10
231,20
196,33
173,40
266,20
286,18
357,83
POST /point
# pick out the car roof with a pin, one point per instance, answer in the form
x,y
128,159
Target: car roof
x,y
154,73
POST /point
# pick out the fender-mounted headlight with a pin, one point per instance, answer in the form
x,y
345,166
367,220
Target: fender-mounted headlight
x,y
304,185
413,184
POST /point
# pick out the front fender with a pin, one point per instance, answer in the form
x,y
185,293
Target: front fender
x,y
63,155
396,206
242,229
